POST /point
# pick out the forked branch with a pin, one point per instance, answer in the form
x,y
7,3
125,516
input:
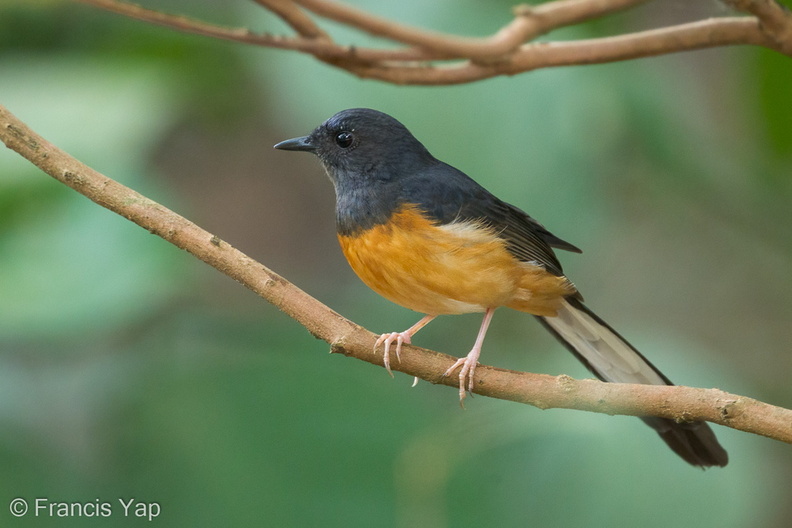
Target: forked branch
x,y
427,57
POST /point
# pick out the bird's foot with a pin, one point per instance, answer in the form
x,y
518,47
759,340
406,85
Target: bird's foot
x,y
388,339
466,380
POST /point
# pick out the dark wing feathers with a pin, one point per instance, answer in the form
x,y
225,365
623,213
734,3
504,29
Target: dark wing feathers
x,y
522,238
448,195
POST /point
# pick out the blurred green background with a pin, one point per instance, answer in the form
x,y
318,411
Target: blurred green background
x,y
130,370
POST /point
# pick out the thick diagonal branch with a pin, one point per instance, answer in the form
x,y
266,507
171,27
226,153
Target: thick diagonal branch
x,y
344,336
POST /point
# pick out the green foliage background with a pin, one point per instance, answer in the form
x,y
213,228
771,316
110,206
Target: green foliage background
x,y
128,369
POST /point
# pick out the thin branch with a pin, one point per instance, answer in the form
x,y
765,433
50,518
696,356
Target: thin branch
x,y
295,17
775,20
198,27
319,47
423,56
529,22
685,37
677,403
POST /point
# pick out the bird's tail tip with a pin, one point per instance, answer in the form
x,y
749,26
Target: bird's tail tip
x,y
612,358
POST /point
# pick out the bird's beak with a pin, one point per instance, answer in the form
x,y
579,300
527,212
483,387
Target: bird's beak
x,y
300,143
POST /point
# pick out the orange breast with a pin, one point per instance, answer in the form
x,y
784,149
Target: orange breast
x,y
451,269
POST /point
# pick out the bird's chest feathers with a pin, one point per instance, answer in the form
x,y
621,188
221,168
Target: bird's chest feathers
x,y
430,268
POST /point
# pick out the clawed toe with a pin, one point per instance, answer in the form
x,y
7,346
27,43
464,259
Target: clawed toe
x,y
400,338
466,380
387,339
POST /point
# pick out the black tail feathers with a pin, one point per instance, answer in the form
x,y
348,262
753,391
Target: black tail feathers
x,y
611,358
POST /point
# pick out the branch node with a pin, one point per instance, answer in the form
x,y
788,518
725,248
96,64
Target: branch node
x,y
775,20
567,383
72,178
523,10
684,417
336,347
725,410
24,138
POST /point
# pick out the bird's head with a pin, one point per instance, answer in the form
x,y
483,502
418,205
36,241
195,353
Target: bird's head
x,y
362,145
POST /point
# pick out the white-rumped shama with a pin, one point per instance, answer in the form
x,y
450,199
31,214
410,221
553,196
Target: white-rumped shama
x,y
427,237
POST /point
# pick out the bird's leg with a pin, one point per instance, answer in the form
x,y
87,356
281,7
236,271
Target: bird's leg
x,y
470,361
400,338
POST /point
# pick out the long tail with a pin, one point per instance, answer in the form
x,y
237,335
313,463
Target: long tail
x,y
611,358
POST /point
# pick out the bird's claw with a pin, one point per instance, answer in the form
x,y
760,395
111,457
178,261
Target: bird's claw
x,y
466,380
387,339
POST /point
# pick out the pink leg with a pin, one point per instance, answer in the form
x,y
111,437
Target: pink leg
x,y
400,338
469,362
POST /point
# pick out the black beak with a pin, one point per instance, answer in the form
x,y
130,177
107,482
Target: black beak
x,y
300,143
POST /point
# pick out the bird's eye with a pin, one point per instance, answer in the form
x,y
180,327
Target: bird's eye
x,y
344,139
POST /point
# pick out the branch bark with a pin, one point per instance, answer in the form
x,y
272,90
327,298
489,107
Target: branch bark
x,y
432,58
345,337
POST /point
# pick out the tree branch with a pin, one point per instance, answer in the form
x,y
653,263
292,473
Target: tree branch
x,y
423,56
345,337
319,47
292,15
529,22
774,20
685,37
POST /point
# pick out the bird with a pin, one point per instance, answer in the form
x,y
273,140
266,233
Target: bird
x,y
426,236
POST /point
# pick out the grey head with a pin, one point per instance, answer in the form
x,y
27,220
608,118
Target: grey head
x,y
360,145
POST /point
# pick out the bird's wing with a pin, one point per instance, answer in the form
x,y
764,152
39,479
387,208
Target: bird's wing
x,y
448,195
